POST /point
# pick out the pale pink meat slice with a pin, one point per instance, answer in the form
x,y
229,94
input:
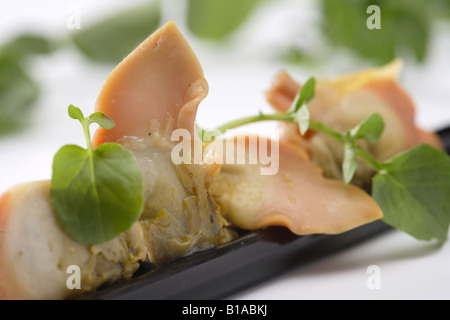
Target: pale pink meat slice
x,y
297,196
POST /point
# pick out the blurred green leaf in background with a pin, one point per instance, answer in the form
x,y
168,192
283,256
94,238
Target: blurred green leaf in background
x,y
406,27
25,46
215,19
107,41
18,91
113,38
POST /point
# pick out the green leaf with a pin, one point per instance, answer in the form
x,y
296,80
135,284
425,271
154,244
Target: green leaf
x,y
97,193
298,107
216,19
349,164
26,45
305,94
75,113
113,38
405,30
301,117
101,119
370,129
413,191
18,93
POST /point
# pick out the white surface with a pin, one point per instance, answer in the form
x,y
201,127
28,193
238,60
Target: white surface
x,y
237,79
408,269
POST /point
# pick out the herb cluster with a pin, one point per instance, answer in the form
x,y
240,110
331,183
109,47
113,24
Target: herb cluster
x,y
412,188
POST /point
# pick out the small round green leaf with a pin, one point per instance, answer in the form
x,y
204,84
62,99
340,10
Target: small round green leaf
x,y
98,194
414,193
76,113
102,120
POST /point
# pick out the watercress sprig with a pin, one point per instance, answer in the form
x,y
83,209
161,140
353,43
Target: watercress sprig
x,y
412,188
97,193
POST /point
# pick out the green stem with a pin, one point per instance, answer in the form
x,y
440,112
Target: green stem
x,y
253,119
87,134
341,138
318,126
327,130
369,159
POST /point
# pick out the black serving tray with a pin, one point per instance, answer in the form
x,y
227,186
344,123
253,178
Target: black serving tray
x,y
251,259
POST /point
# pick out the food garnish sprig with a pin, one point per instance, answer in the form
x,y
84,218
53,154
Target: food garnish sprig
x,y
97,193
412,188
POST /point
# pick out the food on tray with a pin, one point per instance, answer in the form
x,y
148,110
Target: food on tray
x,y
187,207
153,91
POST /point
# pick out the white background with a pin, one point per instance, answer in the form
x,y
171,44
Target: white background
x,y
237,75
